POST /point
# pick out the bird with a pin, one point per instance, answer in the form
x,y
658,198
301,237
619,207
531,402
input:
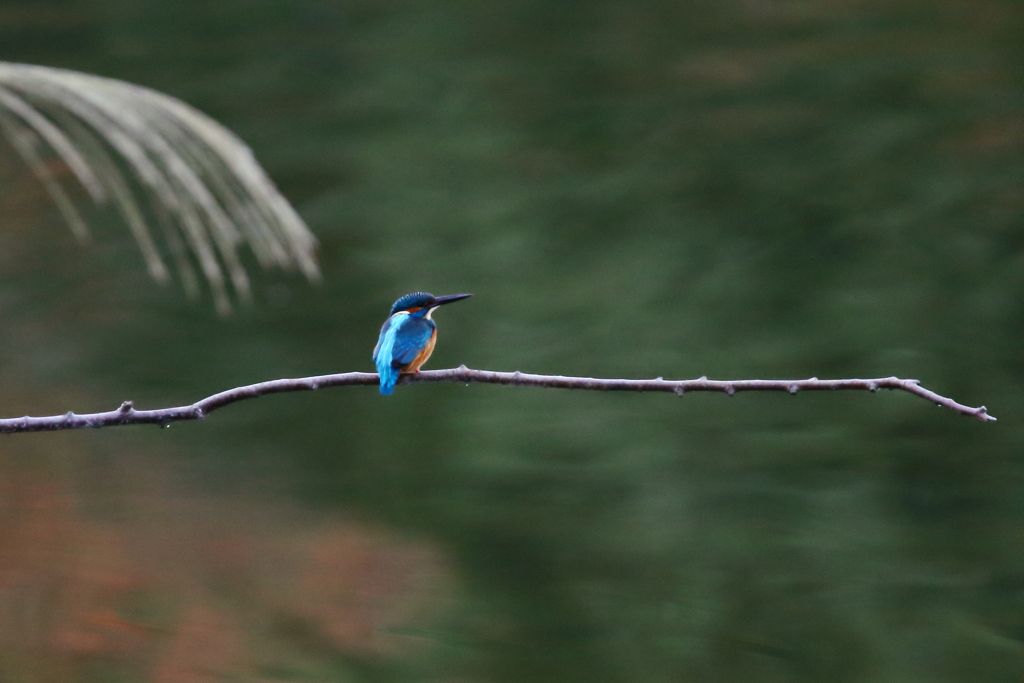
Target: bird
x,y
407,336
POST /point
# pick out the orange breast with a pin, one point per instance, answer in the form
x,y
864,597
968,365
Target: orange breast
x,y
423,355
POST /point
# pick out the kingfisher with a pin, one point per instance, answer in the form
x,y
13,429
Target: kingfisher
x,y
407,337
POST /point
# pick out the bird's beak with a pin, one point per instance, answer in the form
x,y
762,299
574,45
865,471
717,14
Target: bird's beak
x,y
441,300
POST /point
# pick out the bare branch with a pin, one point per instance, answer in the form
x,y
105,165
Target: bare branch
x,y
127,414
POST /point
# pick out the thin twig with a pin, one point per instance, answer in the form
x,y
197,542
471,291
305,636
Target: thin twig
x,y
127,414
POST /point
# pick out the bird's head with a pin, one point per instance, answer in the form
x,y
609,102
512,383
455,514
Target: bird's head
x,y
423,302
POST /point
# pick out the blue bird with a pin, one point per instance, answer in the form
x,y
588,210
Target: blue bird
x,y
407,337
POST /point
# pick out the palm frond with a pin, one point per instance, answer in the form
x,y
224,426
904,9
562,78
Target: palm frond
x,y
202,184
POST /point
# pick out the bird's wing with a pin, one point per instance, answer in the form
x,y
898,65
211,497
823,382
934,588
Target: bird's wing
x,y
386,338
411,337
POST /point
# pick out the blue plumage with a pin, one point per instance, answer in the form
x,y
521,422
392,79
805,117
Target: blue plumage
x,y
402,338
382,355
407,337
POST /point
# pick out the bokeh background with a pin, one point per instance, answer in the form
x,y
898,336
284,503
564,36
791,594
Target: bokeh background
x,y
736,188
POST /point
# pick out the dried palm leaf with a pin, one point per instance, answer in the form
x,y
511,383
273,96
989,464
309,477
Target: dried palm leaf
x,y
208,193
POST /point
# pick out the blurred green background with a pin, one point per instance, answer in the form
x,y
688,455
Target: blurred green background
x,y
739,188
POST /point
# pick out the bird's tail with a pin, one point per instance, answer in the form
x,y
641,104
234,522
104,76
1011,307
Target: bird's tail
x,y
388,379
